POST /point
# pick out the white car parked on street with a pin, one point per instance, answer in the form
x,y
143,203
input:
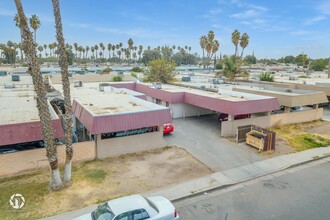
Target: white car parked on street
x,y
135,207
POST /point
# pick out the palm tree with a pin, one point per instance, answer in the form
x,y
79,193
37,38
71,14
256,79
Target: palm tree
x,y
96,48
109,49
63,62
189,49
102,48
35,24
92,49
130,45
29,48
113,50
87,49
40,48
244,42
140,51
235,37
202,43
75,45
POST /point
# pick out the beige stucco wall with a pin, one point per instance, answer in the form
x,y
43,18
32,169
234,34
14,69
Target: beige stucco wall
x,y
229,128
290,100
129,144
34,159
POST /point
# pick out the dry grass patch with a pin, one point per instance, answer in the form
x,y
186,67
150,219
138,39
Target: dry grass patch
x,y
98,181
302,136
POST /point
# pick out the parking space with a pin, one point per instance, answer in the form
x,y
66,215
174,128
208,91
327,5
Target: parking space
x,y
200,136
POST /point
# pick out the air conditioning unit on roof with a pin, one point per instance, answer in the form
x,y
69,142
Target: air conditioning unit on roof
x,y
77,83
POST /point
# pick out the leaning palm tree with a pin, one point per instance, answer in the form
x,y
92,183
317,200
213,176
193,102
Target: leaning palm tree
x,y
29,48
244,42
35,24
235,37
63,62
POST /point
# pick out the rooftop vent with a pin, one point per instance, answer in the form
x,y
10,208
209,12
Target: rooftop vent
x,y
77,84
15,78
157,85
102,85
9,85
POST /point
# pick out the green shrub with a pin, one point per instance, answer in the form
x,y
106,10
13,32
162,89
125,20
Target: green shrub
x,y
117,78
266,77
134,75
308,141
304,77
137,69
107,69
218,66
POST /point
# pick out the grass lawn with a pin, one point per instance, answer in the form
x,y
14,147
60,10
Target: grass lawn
x,y
98,181
299,137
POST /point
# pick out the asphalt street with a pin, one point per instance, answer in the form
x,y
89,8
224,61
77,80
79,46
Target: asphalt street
x,y
298,193
200,136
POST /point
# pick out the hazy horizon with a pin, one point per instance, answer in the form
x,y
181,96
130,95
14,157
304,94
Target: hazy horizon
x,y
276,29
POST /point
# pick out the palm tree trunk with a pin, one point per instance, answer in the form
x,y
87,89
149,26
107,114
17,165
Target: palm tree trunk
x,y
242,53
29,48
35,36
66,91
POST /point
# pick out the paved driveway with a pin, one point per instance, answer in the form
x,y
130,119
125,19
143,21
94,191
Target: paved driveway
x,y
200,136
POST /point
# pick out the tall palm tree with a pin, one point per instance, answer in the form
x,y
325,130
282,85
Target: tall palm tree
x,y
130,45
244,42
140,51
75,45
113,50
63,62
109,49
202,43
235,37
189,49
102,48
29,48
35,24
87,49
40,48
92,50
96,48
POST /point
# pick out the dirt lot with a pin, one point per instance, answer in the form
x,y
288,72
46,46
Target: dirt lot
x,y
98,181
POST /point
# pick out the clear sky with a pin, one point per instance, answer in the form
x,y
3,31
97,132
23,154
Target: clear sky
x,y
276,27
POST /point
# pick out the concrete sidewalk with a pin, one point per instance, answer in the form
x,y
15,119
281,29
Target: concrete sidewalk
x,y
224,178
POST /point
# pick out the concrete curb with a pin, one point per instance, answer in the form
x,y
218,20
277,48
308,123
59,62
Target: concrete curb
x,y
239,182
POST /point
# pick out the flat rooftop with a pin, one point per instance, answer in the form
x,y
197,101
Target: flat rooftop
x,y
111,101
222,94
19,107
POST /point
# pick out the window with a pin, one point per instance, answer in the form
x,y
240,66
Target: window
x,y
140,214
158,101
129,132
124,216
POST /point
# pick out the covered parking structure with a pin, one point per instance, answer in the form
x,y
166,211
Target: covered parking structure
x,y
184,102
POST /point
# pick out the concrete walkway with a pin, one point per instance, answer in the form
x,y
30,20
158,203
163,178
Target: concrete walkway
x,y
224,178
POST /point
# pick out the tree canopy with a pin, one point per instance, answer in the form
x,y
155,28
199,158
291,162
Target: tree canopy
x,y
319,64
160,70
